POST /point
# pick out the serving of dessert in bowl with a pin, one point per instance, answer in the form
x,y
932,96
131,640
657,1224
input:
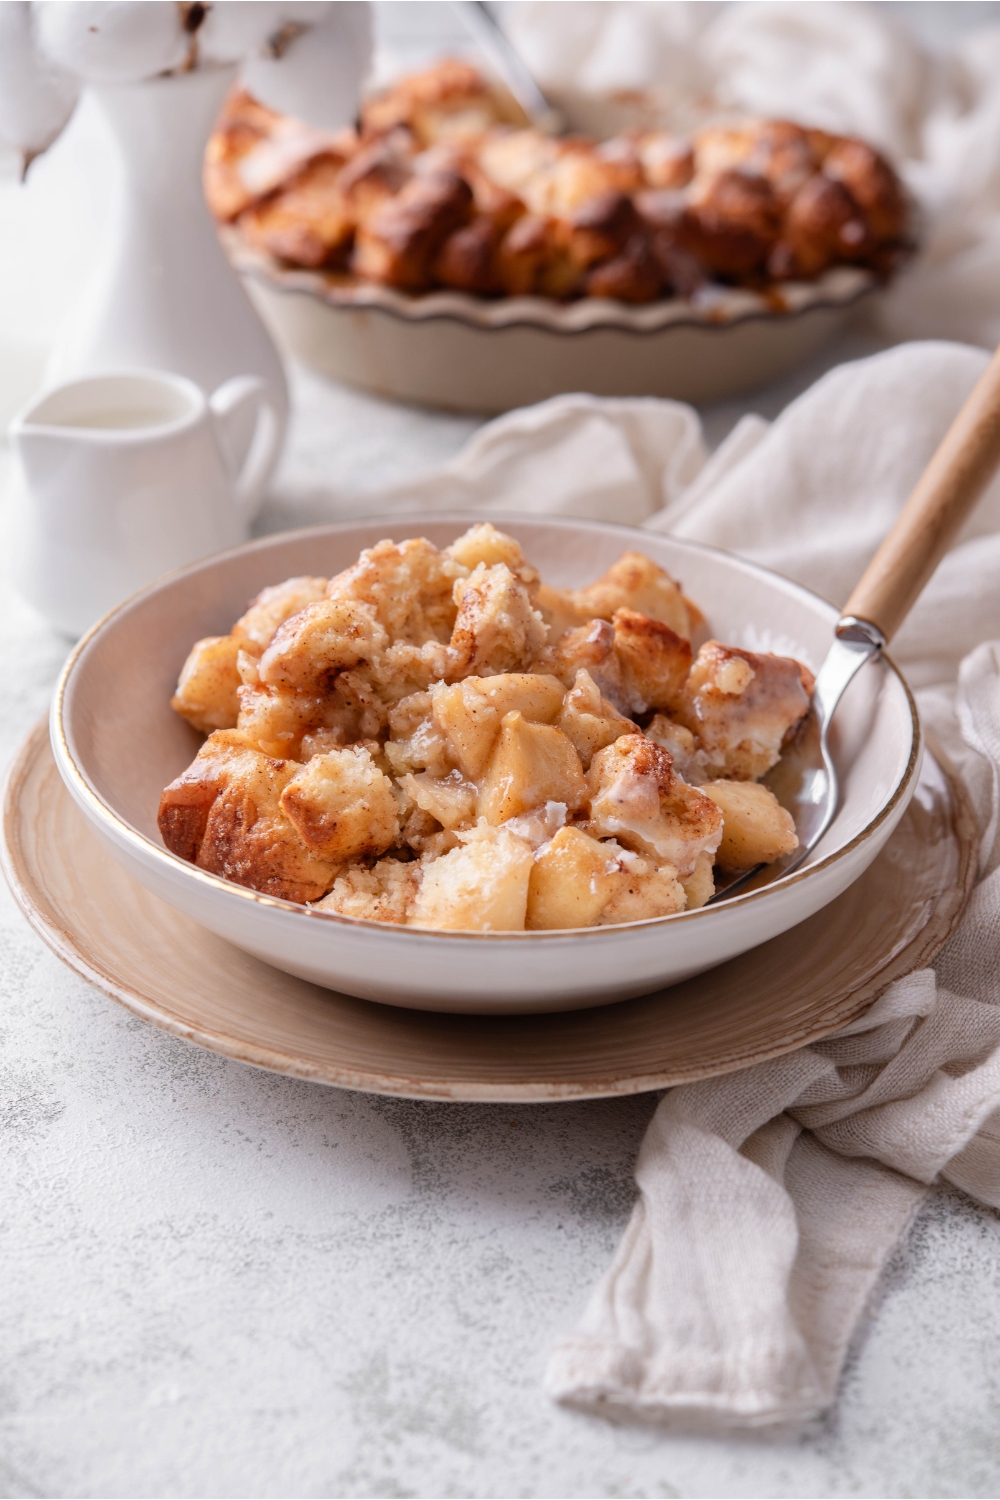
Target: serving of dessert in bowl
x,y
437,738
442,214
414,771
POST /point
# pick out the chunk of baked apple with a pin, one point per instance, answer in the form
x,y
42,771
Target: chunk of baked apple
x,y
468,713
756,829
451,800
531,764
699,886
589,720
573,878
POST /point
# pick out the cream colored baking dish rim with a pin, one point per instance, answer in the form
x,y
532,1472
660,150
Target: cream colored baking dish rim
x,y
465,353
712,306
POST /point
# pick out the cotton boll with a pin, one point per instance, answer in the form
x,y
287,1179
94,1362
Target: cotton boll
x,y
236,28
318,72
36,98
117,41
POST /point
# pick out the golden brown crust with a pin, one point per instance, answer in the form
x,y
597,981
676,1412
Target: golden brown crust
x,y
633,581
654,660
439,190
224,815
451,100
823,225
208,688
376,174
731,225
872,184
183,816
342,806
310,222
400,239
243,125
467,259
600,227
521,254
665,160
636,274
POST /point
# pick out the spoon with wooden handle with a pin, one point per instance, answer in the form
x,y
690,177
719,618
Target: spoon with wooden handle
x,y
804,780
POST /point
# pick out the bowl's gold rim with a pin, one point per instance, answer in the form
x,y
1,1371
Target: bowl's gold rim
x,y
145,847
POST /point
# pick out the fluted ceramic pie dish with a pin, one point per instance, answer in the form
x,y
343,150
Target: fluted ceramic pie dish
x,y
466,353
117,743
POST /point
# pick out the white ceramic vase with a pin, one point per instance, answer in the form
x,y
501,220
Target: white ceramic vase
x,y
164,295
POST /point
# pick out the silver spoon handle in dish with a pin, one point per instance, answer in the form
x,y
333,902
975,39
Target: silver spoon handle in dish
x,y
510,65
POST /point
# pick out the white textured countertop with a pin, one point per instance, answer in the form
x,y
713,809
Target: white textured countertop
x,y
215,1281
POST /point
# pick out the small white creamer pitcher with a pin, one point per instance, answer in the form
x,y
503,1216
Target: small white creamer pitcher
x,y
125,476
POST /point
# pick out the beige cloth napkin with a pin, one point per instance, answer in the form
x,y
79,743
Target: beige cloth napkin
x,y
843,66
770,1199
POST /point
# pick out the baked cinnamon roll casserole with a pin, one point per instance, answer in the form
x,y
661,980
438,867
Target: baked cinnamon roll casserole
x,y
440,186
438,738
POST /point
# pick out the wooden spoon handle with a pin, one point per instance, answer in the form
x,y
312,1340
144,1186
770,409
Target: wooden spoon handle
x,y
949,487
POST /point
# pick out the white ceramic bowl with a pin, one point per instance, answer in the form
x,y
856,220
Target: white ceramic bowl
x,y
117,744
475,354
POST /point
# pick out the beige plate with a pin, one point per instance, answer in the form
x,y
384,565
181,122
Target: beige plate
x,y
790,991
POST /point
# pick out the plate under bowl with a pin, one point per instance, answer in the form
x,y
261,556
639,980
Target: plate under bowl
x,y
117,744
787,993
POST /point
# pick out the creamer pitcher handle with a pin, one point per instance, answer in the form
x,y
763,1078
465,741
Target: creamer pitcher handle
x,y
230,398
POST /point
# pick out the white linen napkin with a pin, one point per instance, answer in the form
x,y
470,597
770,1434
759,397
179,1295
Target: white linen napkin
x,y
841,66
771,1198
